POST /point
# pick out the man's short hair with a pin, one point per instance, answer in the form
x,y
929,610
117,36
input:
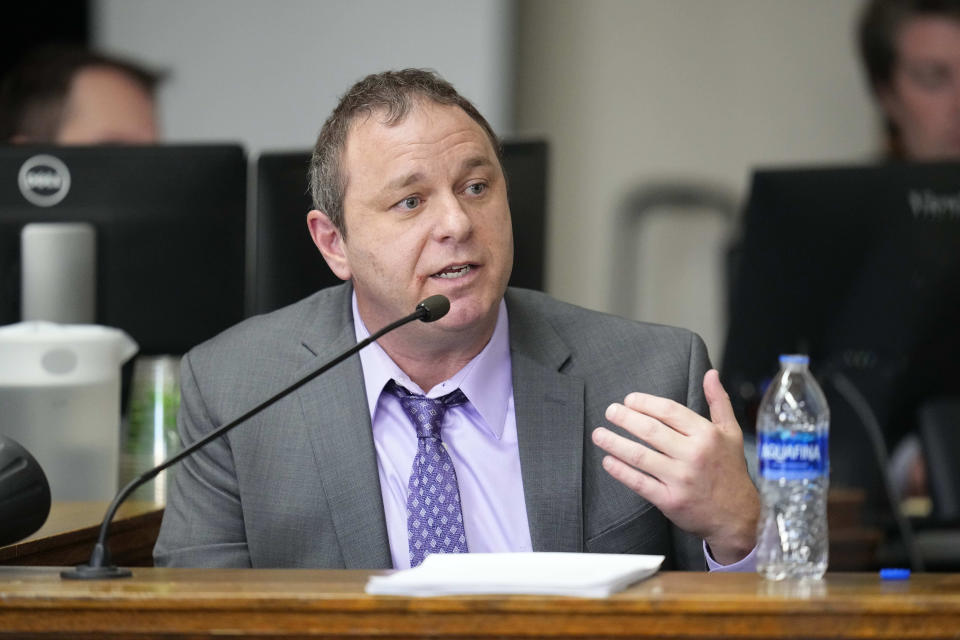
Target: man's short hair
x,y
391,94
880,23
34,93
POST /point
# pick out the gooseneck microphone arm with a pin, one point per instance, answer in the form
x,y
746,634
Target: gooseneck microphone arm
x,y
98,567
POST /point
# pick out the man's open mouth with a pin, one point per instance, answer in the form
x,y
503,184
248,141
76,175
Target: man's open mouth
x,y
454,272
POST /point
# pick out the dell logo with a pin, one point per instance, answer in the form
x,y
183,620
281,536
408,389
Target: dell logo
x,y
44,180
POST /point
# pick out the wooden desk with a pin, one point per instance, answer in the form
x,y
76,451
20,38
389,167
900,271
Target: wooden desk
x,y
71,530
238,603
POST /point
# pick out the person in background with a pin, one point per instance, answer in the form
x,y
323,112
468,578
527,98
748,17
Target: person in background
x,y
911,55
74,96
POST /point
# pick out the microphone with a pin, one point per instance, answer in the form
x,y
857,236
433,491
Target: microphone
x,y
98,567
24,492
432,308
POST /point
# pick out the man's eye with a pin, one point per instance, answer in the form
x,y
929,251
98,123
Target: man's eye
x,y
477,188
409,203
930,76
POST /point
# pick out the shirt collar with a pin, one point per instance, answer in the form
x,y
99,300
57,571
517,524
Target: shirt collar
x,y
486,379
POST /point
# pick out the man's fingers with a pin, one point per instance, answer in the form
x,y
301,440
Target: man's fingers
x,y
673,414
632,453
650,430
703,486
721,411
641,483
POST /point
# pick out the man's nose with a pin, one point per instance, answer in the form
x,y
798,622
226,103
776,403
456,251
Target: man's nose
x,y
453,219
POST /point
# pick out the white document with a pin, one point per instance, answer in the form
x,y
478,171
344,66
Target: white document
x,y
584,575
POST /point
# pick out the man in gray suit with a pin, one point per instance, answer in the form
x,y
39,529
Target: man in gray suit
x,y
496,405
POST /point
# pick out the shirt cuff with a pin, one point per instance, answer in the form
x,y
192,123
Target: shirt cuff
x,y
748,563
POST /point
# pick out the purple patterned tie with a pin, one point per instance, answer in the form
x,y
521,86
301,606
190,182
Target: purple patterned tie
x,y
434,519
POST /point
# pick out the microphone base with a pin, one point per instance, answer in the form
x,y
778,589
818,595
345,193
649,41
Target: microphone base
x,y
86,572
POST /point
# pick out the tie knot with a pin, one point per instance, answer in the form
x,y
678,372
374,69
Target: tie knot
x,y
426,413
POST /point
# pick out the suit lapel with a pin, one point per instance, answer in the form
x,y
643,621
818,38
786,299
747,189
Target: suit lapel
x,y
337,418
549,412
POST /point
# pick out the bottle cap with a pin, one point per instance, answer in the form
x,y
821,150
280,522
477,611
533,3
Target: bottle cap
x,y
794,358
892,573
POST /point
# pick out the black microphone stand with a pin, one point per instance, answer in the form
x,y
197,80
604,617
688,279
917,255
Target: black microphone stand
x,y
868,420
99,567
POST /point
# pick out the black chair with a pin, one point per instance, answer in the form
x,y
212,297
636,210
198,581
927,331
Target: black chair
x,y
939,424
936,539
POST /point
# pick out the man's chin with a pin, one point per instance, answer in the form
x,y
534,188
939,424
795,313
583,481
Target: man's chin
x,y
468,315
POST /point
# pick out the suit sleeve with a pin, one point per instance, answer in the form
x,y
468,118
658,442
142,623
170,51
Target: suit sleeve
x,y
688,548
203,520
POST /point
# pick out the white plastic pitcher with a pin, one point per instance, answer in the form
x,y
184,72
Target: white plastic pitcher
x,y
60,398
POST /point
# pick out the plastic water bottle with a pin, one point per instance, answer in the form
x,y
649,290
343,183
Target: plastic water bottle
x,y
793,425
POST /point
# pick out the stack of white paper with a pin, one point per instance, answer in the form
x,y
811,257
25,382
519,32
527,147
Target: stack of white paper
x,y
586,575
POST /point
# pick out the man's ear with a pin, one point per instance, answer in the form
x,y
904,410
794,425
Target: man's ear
x,y
330,242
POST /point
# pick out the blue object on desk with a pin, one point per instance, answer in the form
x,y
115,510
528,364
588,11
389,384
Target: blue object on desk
x,y
894,574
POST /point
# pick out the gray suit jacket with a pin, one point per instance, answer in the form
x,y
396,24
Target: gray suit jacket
x,y
297,485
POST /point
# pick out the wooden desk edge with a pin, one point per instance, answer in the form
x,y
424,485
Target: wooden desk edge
x,y
301,602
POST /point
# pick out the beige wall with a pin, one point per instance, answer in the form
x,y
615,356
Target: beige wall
x,y
634,92
267,74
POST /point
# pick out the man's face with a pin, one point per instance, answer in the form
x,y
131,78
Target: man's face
x,y
426,212
923,98
107,106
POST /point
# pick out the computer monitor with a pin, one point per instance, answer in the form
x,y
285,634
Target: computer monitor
x,y
859,267
169,225
289,267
